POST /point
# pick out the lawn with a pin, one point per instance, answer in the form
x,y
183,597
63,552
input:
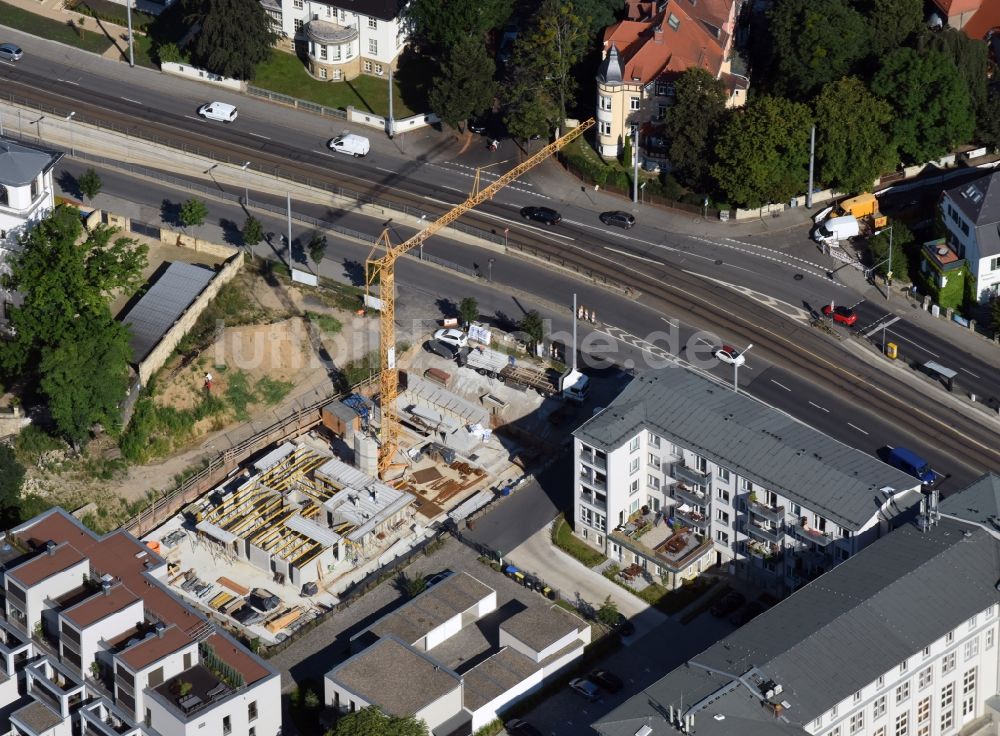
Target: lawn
x,y
54,30
562,537
286,74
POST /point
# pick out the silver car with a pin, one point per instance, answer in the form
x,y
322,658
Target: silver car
x,y
10,52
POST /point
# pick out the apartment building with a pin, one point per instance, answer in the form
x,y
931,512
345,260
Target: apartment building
x,y
897,641
99,645
680,473
342,38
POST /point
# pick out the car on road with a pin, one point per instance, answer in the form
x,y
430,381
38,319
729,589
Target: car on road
x,y
746,614
586,688
844,315
730,355
610,682
452,337
221,111
10,52
517,727
910,462
728,604
352,145
545,215
617,218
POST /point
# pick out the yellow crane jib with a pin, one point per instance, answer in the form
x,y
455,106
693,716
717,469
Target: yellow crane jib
x,y
382,271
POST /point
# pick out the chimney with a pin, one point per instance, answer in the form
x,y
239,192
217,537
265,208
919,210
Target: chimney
x,y
658,35
50,547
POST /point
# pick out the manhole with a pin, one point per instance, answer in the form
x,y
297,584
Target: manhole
x,y
718,262
798,277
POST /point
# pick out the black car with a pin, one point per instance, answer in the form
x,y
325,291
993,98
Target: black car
x,y
618,218
517,727
439,348
611,683
544,215
477,126
728,604
746,614
624,626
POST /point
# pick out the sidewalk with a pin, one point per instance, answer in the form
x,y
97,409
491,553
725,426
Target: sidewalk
x,y
55,10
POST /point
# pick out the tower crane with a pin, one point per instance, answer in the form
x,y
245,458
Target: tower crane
x,y
382,271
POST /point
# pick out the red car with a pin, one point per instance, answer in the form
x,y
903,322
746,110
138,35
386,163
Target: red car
x,y
844,315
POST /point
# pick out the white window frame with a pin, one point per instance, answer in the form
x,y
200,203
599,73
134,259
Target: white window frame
x,y
373,23
604,102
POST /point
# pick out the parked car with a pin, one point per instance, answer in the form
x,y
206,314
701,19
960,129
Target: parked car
x,y
728,604
221,111
439,348
10,52
517,727
545,215
624,626
844,315
477,126
729,354
451,336
586,688
749,612
435,579
618,218
610,682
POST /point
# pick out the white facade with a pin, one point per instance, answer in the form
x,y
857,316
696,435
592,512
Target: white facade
x,y
37,598
963,233
937,691
85,642
255,710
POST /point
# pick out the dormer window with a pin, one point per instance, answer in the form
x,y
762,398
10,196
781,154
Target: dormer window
x,y
673,21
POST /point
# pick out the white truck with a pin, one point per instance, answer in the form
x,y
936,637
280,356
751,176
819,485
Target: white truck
x,y
349,143
836,229
571,384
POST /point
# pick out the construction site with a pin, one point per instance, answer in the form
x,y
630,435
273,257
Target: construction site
x,y
272,547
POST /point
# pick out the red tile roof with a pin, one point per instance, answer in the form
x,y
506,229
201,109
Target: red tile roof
x,y
154,648
986,19
238,658
46,565
100,606
956,7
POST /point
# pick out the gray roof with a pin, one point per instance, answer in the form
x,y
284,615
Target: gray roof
x,y
418,617
752,439
978,502
20,164
391,675
836,635
495,676
610,70
37,717
540,627
160,307
979,200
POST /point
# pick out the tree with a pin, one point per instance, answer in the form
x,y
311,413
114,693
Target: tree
x,y
627,152
878,247
410,587
607,614
995,314
852,150
371,721
815,42
988,122
531,110
931,105
763,152
439,25
464,86
317,247
597,14
892,23
193,212
253,231
468,310
233,36
693,121
970,57
11,480
545,56
532,327
90,183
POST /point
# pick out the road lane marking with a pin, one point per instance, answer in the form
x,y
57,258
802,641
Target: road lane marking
x,y
258,135
633,255
857,428
781,385
881,326
388,171
445,186
821,408
780,306
67,81
705,342
191,117
134,102
519,224
921,347
969,372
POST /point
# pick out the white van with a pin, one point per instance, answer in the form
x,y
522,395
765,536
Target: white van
x,y
218,111
355,145
837,228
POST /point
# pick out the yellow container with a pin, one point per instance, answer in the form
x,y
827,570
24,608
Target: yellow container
x,y
891,350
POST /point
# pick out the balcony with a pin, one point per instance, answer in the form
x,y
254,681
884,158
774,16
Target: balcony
x,y
690,495
806,534
764,511
101,719
596,459
193,690
690,475
592,500
691,518
763,550
764,534
324,32
594,482
662,546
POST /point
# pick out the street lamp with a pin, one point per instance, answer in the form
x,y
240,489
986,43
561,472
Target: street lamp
x,y
246,187
736,368
888,268
38,130
72,148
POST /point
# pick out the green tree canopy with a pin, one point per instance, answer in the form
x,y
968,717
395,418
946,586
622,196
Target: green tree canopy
x,y
763,152
233,36
878,247
11,480
193,212
90,183
464,86
931,105
607,614
852,150
598,14
988,122
253,231
970,57
468,310
439,25
531,110
532,326
317,247
995,315
892,22
371,721
693,123
814,42
544,59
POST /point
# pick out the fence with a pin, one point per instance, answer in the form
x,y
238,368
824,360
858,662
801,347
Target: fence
x,y
332,112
